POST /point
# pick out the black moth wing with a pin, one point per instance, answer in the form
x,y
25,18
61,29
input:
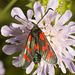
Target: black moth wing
x,y
46,50
37,37
28,54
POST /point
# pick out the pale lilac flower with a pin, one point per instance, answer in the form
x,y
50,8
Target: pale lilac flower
x,y
2,70
20,33
57,34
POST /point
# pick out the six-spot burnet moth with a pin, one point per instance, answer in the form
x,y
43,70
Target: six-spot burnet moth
x,y
37,47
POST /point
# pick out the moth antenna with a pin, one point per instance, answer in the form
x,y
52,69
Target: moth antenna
x,y
28,23
19,17
28,29
45,14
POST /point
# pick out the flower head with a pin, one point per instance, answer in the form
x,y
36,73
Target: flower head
x,y
59,36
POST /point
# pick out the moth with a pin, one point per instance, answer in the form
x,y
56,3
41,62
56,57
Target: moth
x,y
37,47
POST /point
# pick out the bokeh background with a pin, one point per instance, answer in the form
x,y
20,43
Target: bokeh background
x,y
5,19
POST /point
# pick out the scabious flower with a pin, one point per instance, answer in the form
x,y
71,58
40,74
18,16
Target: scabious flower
x,y
59,35
2,70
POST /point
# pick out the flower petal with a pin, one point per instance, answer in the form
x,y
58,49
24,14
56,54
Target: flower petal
x,y
6,31
30,67
38,10
68,55
51,70
71,23
65,18
71,50
52,4
2,70
17,11
11,40
61,66
72,29
23,37
10,49
17,61
70,42
49,17
42,10
38,71
69,64
73,37
29,14
17,25
1,64
21,27
53,16
56,19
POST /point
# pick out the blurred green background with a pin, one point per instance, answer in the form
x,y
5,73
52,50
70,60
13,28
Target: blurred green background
x,y
5,19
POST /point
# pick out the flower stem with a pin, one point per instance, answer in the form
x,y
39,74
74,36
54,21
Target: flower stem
x,y
7,7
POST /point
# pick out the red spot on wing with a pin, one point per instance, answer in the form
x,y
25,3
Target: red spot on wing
x,y
50,52
28,60
29,49
41,36
36,47
25,56
48,57
44,48
47,43
30,37
26,46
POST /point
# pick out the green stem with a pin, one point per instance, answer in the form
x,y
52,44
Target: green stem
x,y
8,7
